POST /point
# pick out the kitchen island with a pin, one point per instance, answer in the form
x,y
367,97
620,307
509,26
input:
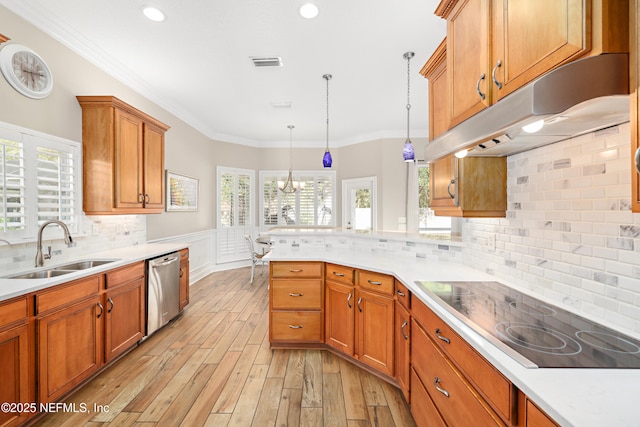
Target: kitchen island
x,y
571,396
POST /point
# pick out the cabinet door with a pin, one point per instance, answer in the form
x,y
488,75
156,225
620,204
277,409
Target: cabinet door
x,y
402,349
468,59
153,168
125,317
339,316
128,161
69,347
634,83
559,31
442,173
184,279
14,372
374,331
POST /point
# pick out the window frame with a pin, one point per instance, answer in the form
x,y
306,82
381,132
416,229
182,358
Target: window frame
x,y
331,174
31,141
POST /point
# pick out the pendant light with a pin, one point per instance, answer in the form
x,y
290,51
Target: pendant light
x,y
288,186
408,153
326,159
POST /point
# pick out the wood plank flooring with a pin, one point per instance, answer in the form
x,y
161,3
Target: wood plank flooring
x,y
213,367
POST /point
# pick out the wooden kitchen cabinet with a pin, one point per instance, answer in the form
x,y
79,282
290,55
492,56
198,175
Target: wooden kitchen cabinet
x,y
16,370
374,317
70,332
469,187
296,303
184,278
124,303
402,349
634,85
435,70
339,308
123,158
491,51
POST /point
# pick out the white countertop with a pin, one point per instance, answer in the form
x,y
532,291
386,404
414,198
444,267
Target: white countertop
x,y
10,288
580,397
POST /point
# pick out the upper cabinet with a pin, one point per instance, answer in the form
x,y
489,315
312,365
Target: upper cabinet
x,y
435,70
497,46
123,158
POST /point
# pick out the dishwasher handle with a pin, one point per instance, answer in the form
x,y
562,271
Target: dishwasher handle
x,y
167,261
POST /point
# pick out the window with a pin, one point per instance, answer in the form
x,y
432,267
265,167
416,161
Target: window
x,y
427,221
235,212
313,204
40,180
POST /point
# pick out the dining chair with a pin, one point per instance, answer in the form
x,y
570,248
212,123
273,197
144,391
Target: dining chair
x,y
256,257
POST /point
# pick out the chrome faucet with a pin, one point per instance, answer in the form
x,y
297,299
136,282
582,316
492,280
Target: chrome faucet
x,y
6,241
67,239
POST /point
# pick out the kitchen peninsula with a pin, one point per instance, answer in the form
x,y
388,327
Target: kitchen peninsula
x,y
571,396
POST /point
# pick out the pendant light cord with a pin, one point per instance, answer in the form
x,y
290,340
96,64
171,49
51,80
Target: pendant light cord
x,y
408,55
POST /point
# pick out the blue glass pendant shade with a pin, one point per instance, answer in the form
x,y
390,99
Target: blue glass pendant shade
x,y
408,153
326,159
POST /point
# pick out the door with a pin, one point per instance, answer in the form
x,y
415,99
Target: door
x,y
128,154
125,314
14,371
359,203
374,331
153,167
339,328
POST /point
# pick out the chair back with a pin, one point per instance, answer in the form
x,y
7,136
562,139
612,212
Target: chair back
x,y
249,240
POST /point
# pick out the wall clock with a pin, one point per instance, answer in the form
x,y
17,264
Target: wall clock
x,y
26,71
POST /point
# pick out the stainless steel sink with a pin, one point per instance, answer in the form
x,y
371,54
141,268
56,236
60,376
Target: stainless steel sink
x,y
83,265
41,274
61,270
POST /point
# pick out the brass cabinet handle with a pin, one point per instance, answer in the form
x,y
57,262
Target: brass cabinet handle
x,y
338,274
110,301
440,337
482,95
291,294
404,324
493,74
295,326
440,389
101,310
359,306
374,283
349,300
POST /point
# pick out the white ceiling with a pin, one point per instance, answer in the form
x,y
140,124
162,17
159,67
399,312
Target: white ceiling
x,y
196,63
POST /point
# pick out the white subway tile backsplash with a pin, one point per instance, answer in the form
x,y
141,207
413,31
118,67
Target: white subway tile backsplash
x,y
569,233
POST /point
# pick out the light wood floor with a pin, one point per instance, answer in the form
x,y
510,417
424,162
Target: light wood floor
x,y
213,366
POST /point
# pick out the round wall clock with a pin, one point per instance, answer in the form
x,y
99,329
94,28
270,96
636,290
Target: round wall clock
x,y
26,71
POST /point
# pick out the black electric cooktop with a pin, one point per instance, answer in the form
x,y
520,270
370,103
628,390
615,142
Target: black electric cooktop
x,y
535,333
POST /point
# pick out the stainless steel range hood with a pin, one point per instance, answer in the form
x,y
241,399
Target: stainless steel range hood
x,y
580,97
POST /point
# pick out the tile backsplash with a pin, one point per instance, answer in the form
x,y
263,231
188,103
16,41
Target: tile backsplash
x,y
569,233
99,233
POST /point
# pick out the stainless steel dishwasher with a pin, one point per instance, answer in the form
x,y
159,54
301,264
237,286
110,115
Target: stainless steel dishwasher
x,y
163,290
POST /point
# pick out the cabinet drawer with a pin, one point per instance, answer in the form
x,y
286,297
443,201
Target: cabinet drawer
x,y
297,269
375,281
124,274
13,311
537,418
455,399
296,326
66,294
422,408
403,295
340,274
296,294
494,387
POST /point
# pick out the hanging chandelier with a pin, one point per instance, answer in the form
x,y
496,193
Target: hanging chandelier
x,y
289,186
408,152
326,159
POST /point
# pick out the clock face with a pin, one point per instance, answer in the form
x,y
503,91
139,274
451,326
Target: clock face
x,y
26,71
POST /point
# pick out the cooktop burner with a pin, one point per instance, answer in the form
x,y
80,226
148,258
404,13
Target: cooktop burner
x,y
533,332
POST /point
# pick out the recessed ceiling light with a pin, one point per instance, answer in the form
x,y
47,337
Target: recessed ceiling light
x,y
154,14
309,10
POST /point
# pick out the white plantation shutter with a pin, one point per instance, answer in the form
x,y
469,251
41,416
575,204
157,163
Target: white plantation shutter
x,y
313,204
235,214
40,180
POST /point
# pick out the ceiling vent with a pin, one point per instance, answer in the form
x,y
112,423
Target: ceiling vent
x,y
267,62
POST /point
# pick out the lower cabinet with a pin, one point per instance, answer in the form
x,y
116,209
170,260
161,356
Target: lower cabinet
x,y
423,409
339,316
16,373
374,331
184,278
70,342
402,349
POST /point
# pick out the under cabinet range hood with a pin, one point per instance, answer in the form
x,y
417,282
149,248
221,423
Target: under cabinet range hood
x,y
580,97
